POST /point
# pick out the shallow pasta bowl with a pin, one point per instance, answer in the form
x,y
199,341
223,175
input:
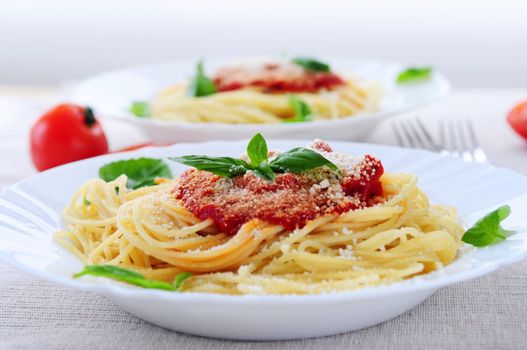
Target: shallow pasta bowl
x,y
30,214
112,93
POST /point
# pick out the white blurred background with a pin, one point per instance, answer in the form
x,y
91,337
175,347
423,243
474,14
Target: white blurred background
x,y
475,43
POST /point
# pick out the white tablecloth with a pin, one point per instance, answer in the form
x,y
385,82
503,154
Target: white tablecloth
x,y
486,313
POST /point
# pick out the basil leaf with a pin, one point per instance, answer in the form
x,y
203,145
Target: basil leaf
x,y
108,270
296,160
257,150
201,85
140,172
265,172
311,64
86,202
140,109
300,159
414,75
487,230
221,166
180,278
301,110
124,275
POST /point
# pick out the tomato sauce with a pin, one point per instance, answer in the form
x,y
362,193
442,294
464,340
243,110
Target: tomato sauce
x,y
276,78
290,201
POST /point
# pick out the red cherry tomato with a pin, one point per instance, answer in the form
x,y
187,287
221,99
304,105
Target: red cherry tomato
x,y
517,118
65,134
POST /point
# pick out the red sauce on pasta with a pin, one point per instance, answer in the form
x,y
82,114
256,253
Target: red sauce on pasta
x,y
291,200
276,78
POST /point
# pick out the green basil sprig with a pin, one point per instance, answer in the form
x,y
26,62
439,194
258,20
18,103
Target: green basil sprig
x,y
301,110
299,160
201,85
140,109
140,172
311,64
487,230
221,166
264,171
414,75
257,149
296,160
180,278
132,277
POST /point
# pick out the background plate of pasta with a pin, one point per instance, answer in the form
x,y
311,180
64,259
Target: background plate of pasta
x,y
235,97
265,240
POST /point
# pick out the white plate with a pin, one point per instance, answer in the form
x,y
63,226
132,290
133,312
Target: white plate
x,y
29,214
111,94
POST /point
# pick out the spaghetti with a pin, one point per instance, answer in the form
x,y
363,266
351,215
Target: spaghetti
x,y
260,94
395,235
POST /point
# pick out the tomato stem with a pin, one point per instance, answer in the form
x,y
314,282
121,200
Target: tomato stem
x,y
89,118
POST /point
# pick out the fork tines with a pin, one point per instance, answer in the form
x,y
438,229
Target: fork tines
x,y
456,137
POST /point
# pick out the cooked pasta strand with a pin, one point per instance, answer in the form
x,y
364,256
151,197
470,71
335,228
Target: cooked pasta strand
x,y
148,230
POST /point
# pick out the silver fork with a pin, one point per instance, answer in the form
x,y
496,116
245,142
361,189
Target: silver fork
x,y
456,137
